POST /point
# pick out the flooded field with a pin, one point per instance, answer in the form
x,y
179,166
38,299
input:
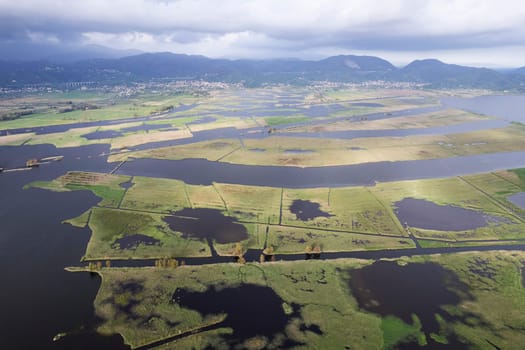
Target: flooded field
x,y
388,289
255,310
245,306
132,241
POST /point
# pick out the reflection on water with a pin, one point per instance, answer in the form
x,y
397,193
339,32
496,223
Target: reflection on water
x,y
38,298
518,199
431,216
204,172
508,107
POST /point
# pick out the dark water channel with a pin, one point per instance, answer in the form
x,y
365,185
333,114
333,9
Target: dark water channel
x,y
204,172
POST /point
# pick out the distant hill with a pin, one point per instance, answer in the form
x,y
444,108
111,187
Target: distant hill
x,y
28,51
520,71
344,68
355,63
440,74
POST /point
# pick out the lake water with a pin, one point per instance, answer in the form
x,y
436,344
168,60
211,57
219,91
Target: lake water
x,y
508,107
209,224
38,298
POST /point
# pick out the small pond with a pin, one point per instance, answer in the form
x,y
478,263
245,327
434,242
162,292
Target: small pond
x,y
133,241
388,289
305,210
424,214
208,224
251,310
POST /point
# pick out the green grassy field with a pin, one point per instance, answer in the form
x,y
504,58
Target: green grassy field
x,y
141,105
295,240
459,192
137,303
110,225
343,219
312,152
354,209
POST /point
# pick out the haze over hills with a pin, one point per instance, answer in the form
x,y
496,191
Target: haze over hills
x,y
58,53
343,68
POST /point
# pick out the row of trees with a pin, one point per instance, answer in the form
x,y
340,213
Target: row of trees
x,y
238,252
168,263
97,265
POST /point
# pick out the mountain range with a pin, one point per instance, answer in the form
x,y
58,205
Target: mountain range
x,y
344,68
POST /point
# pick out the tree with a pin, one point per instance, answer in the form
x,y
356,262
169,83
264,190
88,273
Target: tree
x,y
238,250
173,263
268,250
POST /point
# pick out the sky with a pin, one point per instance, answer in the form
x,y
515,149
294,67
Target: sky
x,y
486,33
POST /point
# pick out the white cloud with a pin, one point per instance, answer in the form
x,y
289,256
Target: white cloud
x,y
276,28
